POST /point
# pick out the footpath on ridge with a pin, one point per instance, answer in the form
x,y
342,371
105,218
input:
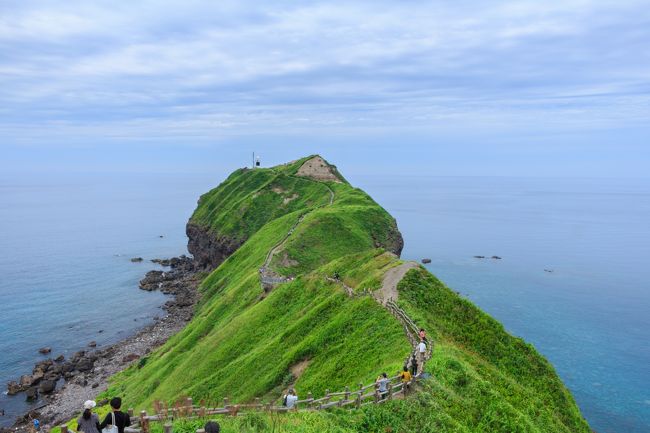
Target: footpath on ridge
x,y
347,398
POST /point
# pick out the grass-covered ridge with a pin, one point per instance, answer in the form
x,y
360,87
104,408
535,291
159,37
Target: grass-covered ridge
x,y
245,343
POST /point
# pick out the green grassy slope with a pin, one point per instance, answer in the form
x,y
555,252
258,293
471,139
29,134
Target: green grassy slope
x,y
243,342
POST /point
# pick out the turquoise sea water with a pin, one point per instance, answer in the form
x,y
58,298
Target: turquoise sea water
x,y
65,273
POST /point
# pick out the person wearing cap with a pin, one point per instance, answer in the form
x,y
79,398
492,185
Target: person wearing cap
x,y
290,399
88,422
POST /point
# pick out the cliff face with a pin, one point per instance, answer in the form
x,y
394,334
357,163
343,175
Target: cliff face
x,y
209,251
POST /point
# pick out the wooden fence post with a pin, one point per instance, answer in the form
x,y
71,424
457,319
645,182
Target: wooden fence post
x,y
144,422
310,398
359,400
390,391
190,406
64,428
225,403
167,428
202,412
131,412
258,405
347,393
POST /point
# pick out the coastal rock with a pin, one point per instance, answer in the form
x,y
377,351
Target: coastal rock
x,y
47,386
479,257
14,388
59,358
130,357
426,261
25,380
137,259
208,249
153,280
31,394
44,350
92,344
496,257
37,377
84,365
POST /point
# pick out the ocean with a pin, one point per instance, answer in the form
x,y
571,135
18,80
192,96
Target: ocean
x,y
573,278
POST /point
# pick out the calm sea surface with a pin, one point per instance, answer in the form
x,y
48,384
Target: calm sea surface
x,y
66,275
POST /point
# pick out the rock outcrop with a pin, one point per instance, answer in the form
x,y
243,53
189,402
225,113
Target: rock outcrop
x,y
209,251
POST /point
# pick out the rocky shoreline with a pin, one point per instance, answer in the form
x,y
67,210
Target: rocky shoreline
x,y
86,373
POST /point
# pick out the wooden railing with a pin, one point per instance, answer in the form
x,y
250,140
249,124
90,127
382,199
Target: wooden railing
x,y
352,399
348,398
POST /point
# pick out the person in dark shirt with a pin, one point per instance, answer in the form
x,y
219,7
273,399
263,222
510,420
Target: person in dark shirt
x,y
121,419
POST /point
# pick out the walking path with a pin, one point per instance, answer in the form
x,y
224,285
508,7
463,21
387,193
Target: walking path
x,y
270,279
348,398
352,399
392,277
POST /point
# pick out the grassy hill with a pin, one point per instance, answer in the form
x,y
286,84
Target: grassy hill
x,y
246,342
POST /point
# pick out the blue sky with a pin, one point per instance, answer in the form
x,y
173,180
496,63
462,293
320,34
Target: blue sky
x,y
455,88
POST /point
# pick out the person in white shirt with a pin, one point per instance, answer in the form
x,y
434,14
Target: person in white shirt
x,y
290,399
422,349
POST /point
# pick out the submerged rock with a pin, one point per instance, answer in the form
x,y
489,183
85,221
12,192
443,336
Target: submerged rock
x,y
137,259
44,350
426,261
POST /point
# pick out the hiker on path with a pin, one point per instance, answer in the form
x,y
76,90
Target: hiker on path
x,y
421,351
422,334
414,365
88,422
406,377
290,399
382,384
116,418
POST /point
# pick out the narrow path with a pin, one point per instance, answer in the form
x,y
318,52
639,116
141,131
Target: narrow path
x,y
268,278
348,398
392,277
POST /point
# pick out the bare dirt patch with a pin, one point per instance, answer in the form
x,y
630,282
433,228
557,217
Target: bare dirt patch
x,y
286,261
297,369
316,168
290,198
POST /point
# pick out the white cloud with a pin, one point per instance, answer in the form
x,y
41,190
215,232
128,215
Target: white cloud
x,y
195,68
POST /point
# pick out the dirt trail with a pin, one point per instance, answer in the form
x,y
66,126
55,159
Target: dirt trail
x,y
391,279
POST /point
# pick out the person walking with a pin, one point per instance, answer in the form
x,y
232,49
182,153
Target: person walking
x,y
382,385
116,419
421,351
88,422
290,399
406,377
422,334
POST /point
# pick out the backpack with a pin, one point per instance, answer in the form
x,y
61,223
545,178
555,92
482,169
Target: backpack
x,y
284,401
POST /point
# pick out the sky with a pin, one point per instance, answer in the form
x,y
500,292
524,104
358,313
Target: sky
x,y
521,88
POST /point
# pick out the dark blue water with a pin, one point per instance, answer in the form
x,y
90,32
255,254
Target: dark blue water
x,y
65,245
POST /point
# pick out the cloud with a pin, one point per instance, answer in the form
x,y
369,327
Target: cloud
x,y
188,69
